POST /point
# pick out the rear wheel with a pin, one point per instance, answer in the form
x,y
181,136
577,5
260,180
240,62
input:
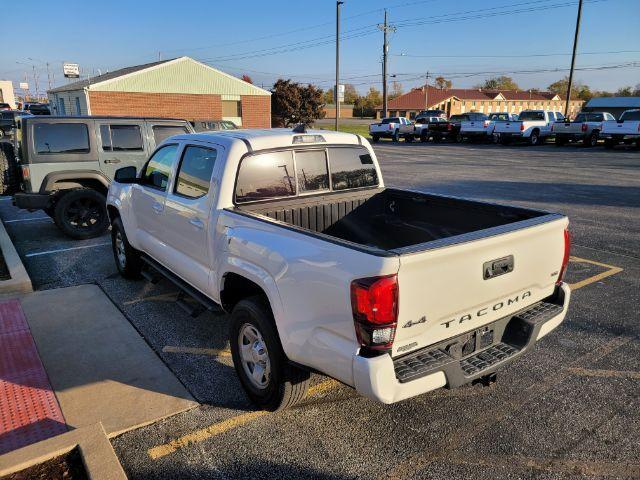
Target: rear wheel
x,y
127,258
9,171
458,138
375,138
534,139
82,213
262,367
591,140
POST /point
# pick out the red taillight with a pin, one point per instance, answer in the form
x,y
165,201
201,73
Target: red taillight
x,y
584,127
565,258
449,126
374,302
522,127
486,123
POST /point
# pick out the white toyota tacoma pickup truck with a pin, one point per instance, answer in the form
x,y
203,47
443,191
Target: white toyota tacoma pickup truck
x,y
322,268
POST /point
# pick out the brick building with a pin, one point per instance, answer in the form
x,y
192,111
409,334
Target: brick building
x,y
346,110
176,88
461,100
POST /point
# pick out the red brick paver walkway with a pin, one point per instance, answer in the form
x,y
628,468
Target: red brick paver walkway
x,y
29,411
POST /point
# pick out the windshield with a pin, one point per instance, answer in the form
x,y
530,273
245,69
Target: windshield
x,y
633,115
532,116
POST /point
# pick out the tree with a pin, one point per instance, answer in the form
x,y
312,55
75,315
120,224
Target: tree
x,y
328,96
443,83
247,78
366,105
624,92
292,103
499,83
396,90
350,94
578,89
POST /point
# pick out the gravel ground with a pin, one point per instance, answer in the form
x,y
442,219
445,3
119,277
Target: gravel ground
x,y
568,409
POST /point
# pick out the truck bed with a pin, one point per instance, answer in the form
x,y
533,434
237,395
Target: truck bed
x,y
393,220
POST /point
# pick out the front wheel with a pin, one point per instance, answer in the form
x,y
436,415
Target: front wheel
x,y
260,363
127,258
82,213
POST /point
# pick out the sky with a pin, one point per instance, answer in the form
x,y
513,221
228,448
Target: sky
x,y
465,40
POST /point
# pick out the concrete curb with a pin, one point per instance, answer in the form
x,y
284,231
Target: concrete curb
x,y
98,455
19,281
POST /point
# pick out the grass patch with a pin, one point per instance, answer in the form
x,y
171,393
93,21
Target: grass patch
x,y
357,129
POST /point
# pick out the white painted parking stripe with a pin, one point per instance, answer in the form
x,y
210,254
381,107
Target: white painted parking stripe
x,y
27,219
49,252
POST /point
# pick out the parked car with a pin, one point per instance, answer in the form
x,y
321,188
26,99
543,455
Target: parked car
x,y
532,126
624,130
388,128
476,129
584,128
322,268
37,108
208,125
8,121
450,129
66,164
423,127
499,117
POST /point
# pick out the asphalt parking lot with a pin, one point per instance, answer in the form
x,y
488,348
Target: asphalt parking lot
x,y
569,409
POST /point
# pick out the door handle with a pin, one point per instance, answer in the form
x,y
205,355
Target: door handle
x,y
113,160
158,207
196,222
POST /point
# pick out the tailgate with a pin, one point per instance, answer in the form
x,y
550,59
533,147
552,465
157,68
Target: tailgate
x,y
622,128
444,293
472,126
508,127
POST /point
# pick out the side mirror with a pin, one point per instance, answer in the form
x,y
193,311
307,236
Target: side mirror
x,y
126,175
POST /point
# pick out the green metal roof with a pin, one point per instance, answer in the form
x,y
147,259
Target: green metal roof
x,y
179,75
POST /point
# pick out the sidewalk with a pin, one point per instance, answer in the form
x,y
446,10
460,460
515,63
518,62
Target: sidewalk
x,y
69,359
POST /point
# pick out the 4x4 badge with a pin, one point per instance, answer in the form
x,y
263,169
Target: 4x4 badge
x,y
411,323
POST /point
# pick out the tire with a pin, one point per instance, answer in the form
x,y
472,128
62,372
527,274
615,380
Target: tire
x,y
9,171
424,138
458,138
82,213
534,139
396,136
284,385
609,144
495,138
375,138
126,257
591,140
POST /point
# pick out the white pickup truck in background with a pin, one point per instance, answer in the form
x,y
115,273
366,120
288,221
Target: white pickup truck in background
x,y
323,268
483,129
624,130
585,128
532,126
391,128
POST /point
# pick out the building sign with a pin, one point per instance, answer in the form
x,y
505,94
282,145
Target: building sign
x,y
71,70
24,85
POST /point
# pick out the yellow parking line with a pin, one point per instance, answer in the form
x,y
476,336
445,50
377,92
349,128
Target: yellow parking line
x,y
587,372
221,427
612,270
197,351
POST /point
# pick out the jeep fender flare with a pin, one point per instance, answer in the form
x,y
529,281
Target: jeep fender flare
x,y
52,178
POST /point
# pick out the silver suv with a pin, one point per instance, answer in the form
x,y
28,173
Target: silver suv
x,y
67,164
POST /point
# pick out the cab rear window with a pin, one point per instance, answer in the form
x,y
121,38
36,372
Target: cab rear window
x,y
635,115
51,138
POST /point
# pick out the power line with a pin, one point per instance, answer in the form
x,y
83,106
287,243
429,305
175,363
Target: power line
x,y
514,56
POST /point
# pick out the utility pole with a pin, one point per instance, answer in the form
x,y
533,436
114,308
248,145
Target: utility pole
x,y
385,27
48,76
426,92
35,80
336,91
573,59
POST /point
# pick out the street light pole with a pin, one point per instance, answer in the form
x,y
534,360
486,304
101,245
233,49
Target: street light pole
x,y
336,91
573,59
385,27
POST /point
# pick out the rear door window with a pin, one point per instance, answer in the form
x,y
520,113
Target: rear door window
x,y
352,168
121,138
266,175
158,169
312,171
61,138
194,173
162,132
